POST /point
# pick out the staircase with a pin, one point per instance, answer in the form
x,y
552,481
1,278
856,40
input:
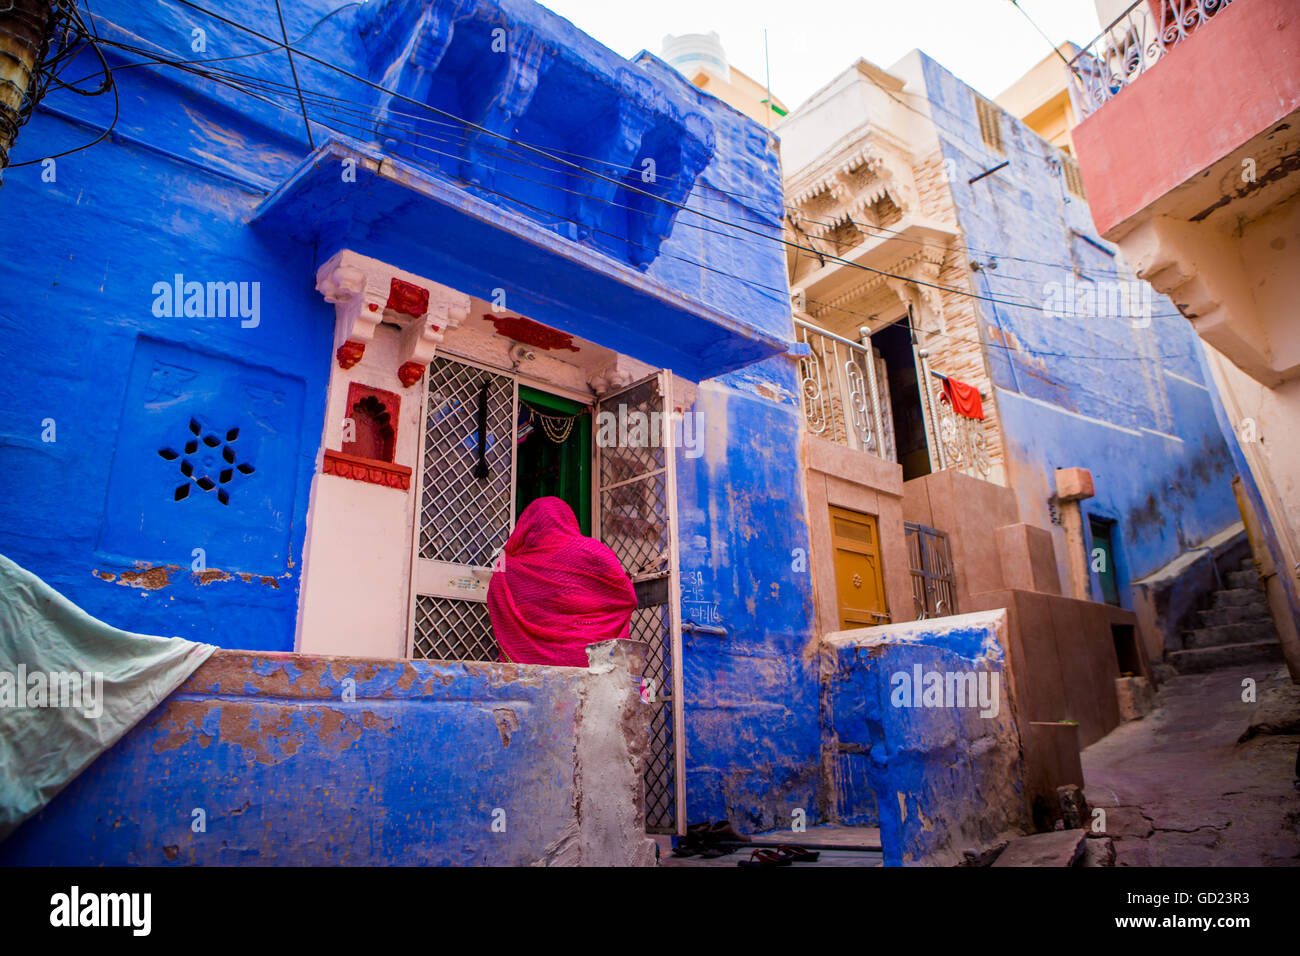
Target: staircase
x,y
1235,630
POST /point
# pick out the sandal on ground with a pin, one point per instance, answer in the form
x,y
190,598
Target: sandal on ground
x,y
766,858
799,854
713,852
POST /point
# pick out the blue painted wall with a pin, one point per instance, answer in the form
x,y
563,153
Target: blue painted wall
x,y
288,771
1129,403
937,774
753,738
182,187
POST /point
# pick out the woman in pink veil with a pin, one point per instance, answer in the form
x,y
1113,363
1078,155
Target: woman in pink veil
x,y
558,592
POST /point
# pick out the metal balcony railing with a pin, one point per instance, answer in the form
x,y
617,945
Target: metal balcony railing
x,y
1134,43
963,442
840,393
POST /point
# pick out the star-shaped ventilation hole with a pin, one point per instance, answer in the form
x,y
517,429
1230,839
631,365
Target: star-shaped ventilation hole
x,y
200,460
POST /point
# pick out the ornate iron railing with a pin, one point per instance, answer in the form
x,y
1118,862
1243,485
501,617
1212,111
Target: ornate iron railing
x,y
1134,43
840,392
963,442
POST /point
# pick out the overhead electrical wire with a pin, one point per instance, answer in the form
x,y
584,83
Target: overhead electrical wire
x,y
545,153
777,294
461,125
369,124
242,82
75,34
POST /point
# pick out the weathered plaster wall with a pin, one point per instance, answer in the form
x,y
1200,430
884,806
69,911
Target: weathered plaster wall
x,y
313,761
1124,396
944,776
753,737
98,384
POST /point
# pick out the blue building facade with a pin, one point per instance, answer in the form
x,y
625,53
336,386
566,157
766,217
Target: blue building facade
x,y
175,373
1092,369
166,402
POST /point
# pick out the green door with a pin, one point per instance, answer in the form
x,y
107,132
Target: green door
x,y
553,454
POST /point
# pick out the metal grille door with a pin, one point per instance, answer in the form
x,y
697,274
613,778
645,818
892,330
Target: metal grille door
x,y
637,508
464,520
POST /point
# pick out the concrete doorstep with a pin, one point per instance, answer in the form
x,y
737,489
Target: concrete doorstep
x,y
1058,848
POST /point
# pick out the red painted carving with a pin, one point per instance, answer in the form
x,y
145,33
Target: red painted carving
x,y
374,413
349,354
410,373
365,469
532,333
407,298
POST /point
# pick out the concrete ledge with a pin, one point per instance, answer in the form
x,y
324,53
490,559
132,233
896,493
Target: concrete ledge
x,y
943,772
1165,599
264,758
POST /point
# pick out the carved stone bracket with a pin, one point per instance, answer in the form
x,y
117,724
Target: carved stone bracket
x,y
918,290
358,296
384,473
367,291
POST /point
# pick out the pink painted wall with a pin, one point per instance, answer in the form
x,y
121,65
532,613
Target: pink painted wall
x,y
1229,81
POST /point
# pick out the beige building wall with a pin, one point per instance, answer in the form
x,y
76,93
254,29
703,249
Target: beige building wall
x,y
700,58
864,136
1041,99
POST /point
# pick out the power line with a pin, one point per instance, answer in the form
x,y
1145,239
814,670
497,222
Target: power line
x,y
622,184
68,9
781,294
777,294
1055,48
460,123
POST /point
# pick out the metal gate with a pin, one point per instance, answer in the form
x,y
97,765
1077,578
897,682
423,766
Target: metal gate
x,y
934,587
463,520
637,509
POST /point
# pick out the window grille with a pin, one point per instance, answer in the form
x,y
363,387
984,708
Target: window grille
x,y
1073,179
990,118
934,585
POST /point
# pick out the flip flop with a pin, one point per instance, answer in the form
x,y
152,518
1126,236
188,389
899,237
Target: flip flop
x,y
799,854
766,858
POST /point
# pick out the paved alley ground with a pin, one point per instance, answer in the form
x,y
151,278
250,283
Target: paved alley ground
x,y
1179,789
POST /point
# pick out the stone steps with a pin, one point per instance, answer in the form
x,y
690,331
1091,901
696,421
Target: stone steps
x,y
1218,635
1235,614
1236,629
1200,660
1238,597
1242,579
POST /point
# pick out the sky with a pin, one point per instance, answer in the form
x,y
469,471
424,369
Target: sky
x,y
987,43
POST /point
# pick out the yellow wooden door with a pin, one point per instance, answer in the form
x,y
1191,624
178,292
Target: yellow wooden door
x,y
859,583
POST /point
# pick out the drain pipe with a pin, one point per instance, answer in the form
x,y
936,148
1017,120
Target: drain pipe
x,y
25,30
